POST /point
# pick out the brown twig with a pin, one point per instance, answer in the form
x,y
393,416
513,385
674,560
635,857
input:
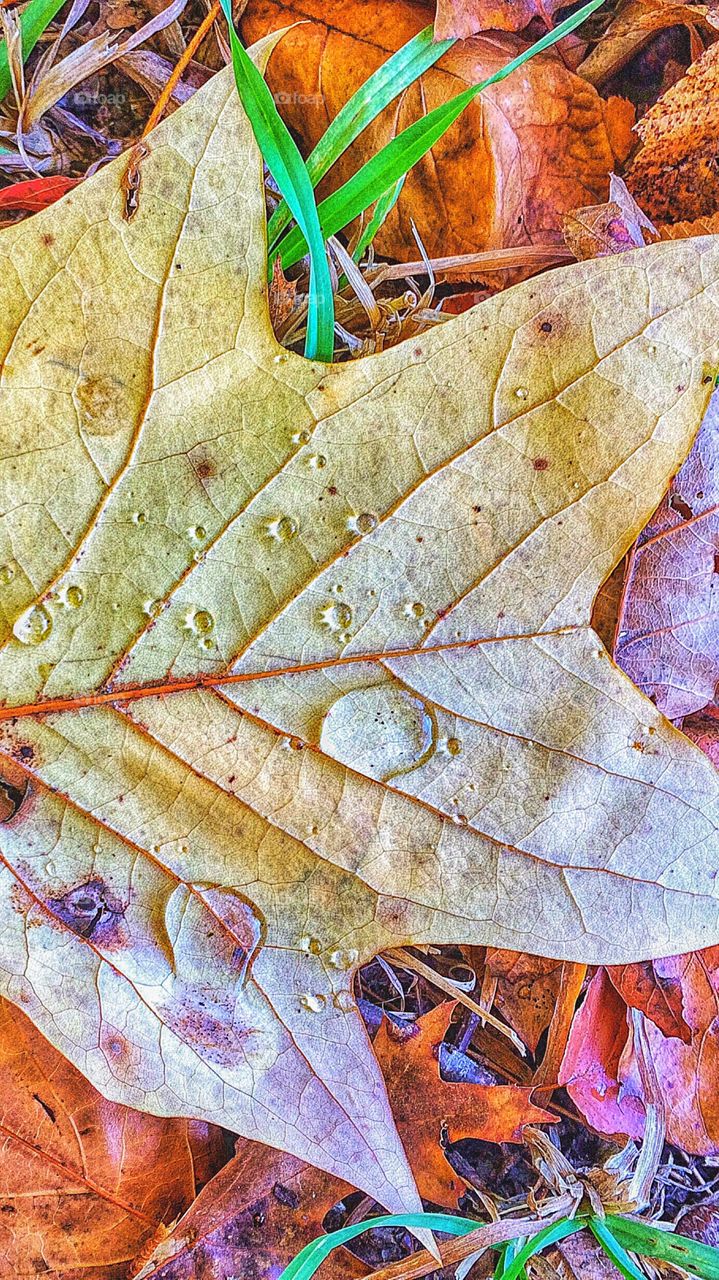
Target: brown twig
x,y
182,63
570,985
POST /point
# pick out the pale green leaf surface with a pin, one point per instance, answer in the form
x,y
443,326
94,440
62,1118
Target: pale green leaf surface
x,y
192,876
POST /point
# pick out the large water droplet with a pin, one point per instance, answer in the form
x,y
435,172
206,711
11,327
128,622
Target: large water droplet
x,y
281,528
200,621
383,731
343,959
73,597
365,522
335,617
33,626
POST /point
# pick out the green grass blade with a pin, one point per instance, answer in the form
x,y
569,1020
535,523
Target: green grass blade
x,y
288,169
549,1235
385,84
309,1259
383,207
384,169
36,18
651,1242
615,1251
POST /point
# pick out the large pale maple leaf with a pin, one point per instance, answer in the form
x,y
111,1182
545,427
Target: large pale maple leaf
x,y
297,661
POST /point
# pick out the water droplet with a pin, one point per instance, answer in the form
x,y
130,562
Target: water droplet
x,y
522,393
452,746
197,532
33,626
344,1001
341,959
281,528
337,589
311,946
200,621
153,608
460,819
383,731
365,522
317,461
301,437
205,643
139,517
335,617
312,829
313,1003
280,358
73,597
296,744
50,868
7,573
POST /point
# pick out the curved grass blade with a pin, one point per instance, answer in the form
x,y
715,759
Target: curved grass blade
x,y
616,1253
385,84
308,1261
33,21
701,1260
382,209
550,1235
398,156
288,169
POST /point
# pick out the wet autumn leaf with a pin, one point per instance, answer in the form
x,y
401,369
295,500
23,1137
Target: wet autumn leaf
x,y
296,659
674,176
83,1182
535,145
264,1206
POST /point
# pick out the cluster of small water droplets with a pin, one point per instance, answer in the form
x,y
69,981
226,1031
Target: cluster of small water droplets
x,y
336,617
200,622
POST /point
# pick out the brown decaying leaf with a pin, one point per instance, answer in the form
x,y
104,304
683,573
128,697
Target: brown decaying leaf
x,y
250,1221
526,992
83,1181
536,145
608,228
247,773
675,176
633,26
600,1068
462,18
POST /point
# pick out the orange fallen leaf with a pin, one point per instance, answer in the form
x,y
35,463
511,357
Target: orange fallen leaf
x,y
84,1181
534,146
426,1106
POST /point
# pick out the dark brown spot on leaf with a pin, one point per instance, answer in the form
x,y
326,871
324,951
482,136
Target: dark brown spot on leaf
x,y
540,464
91,910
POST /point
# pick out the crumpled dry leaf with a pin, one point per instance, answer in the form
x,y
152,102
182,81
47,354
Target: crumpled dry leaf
x,y
614,227
526,991
632,27
462,18
297,662
669,620
675,176
535,145
600,1068
83,1181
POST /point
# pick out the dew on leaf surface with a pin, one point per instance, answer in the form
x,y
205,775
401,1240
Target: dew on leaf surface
x,y
281,529
313,1003
33,626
